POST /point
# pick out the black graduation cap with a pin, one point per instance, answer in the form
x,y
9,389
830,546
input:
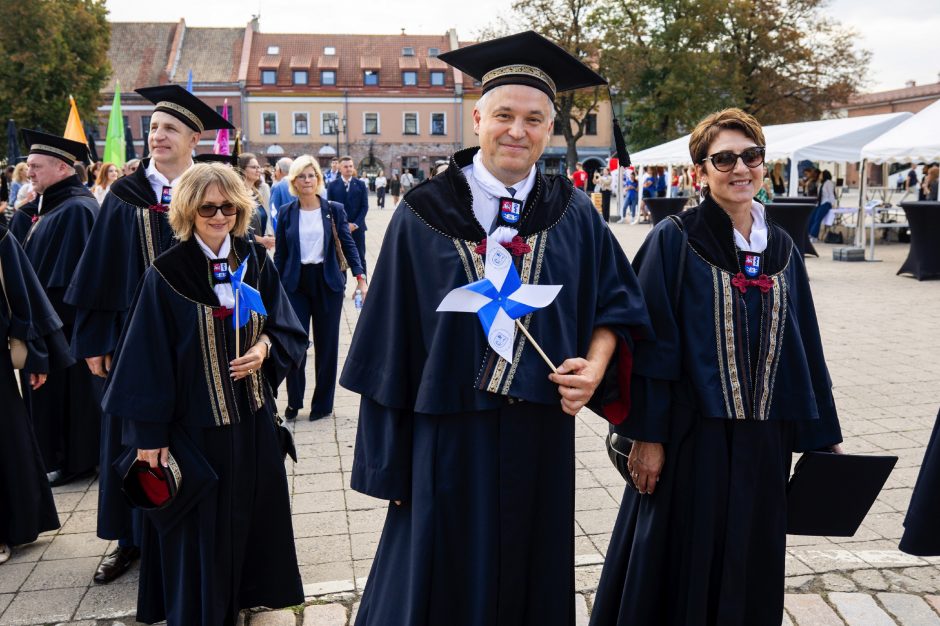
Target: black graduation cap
x,y
530,59
224,159
184,106
830,494
163,493
55,146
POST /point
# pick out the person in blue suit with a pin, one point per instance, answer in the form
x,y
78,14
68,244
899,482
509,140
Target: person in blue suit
x,y
306,258
354,196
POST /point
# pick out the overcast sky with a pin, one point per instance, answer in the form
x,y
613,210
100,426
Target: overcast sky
x,y
901,34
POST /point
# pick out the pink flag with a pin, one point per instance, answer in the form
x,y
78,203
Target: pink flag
x,y
221,136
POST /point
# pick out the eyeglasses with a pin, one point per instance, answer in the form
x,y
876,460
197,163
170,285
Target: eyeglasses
x,y
307,177
209,210
725,160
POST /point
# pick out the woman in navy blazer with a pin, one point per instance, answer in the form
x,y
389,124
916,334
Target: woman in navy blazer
x,y
305,256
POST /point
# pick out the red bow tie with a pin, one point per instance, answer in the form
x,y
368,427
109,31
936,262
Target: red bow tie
x,y
516,247
222,313
159,208
762,282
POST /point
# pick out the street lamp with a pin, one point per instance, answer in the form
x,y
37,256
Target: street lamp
x,y
335,125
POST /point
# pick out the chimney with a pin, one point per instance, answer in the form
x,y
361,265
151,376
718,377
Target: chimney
x,y
910,83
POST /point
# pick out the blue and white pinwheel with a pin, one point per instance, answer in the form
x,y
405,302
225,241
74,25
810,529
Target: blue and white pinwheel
x,y
247,298
499,299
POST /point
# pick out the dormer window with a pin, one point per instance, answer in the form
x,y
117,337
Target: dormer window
x,y
408,52
329,50
274,49
433,52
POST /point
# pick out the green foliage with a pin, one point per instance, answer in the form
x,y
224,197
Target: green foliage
x,y
50,49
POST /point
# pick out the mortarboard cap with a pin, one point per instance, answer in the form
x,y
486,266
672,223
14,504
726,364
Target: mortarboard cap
x,y
55,146
163,494
184,106
830,494
530,59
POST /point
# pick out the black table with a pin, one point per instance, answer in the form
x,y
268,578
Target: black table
x,y
794,218
794,200
923,259
661,208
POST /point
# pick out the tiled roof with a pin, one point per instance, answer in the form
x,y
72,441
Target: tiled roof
x,y
354,53
300,62
213,54
270,60
139,52
894,95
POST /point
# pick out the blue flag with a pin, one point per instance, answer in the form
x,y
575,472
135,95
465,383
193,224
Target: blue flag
x,y
189,82
247,297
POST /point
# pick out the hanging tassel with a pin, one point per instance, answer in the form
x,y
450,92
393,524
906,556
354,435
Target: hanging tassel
x,y
622,155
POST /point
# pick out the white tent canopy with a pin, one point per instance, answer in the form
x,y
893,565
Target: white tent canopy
x,y
838,140
914,140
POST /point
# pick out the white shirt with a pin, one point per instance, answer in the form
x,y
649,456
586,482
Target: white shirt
x,y
487,190
380,181
311,236
758,241
158,181
223,291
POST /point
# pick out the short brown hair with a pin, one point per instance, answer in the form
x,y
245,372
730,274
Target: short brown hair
x,y
191,192
728,119
345,158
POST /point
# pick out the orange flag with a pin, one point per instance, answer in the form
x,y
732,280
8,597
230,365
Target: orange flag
x,y
73,128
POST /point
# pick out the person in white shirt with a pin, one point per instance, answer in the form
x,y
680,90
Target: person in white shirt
x,y
380,184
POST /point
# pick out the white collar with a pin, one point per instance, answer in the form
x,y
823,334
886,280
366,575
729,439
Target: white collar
x,y
156,176
758,241
223,251
491,185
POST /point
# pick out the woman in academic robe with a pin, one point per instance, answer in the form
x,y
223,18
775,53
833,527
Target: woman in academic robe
x,y
733,384
922,522
26,504
190,397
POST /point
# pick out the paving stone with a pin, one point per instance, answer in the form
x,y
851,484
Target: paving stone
x,y
933,601
273,618
29,552
837,582
318,502
786,620
914,580
860,609
355,612
910,610
870,579
80,522
328,549
75,546
811,610
319,524
325,615
799,583
13,575
108,601
318,482
327,572
5,599
827,560
366,521
50,607
66,502
61,573
581,616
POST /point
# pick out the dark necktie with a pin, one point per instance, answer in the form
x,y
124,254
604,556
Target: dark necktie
x,y
512,191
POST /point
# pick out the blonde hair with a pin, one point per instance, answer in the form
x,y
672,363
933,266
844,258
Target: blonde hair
x,y
20,174
191,192
296,169
729,119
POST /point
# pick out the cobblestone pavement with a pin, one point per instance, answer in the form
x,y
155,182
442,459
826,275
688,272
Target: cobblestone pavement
x,y
881,340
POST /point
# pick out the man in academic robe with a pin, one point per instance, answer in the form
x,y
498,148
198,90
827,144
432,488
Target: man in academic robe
x,y
353,194
65,411
476,452
131,231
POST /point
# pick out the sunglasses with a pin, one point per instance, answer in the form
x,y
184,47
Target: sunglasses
x,y
725,160
209,210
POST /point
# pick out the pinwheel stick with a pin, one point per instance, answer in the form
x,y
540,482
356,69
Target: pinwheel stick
x,y
237,344
537,347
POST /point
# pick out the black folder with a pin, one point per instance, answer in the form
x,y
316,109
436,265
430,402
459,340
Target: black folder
x,y
830,494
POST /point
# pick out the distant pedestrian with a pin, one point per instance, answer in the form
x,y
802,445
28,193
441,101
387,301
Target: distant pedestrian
x,y
579,177
353,194
394,188
407,182
603,183
108,173
280,194
380,184
631,196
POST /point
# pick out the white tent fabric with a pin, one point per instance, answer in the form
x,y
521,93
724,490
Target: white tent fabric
x,y
914,140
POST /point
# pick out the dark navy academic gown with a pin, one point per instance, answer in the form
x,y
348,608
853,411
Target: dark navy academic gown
x,y
477,449
130,232
734,383
234,548
66,410
922,522
26,504
22,219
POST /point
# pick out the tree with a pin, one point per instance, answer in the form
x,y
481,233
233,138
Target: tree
x,y
675,61
568,23
54,48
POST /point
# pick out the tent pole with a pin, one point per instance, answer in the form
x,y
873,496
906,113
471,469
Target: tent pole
x,y
794,189
860,221
669,181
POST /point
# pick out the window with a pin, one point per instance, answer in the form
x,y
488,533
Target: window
x,y
557,130
268,77
327,77
127,121
269,123
145,125
370,123
301,123
370,77
274,49
218,109
300,77
437,79
329,122
433,52
329,50
408,51
590,124
438,123
410,124
409,78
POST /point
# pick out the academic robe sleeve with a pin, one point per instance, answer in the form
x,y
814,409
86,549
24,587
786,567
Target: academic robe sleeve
x,y
141,388
825,431
657,363
382,458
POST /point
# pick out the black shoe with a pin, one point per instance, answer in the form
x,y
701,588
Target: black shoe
x,y
290,413
58,478
115,564
317,416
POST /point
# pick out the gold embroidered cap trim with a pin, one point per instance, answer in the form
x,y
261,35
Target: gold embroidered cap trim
x,y
41,147
519,69
192,117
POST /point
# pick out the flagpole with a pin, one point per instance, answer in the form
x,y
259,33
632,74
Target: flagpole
x,y
537,347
